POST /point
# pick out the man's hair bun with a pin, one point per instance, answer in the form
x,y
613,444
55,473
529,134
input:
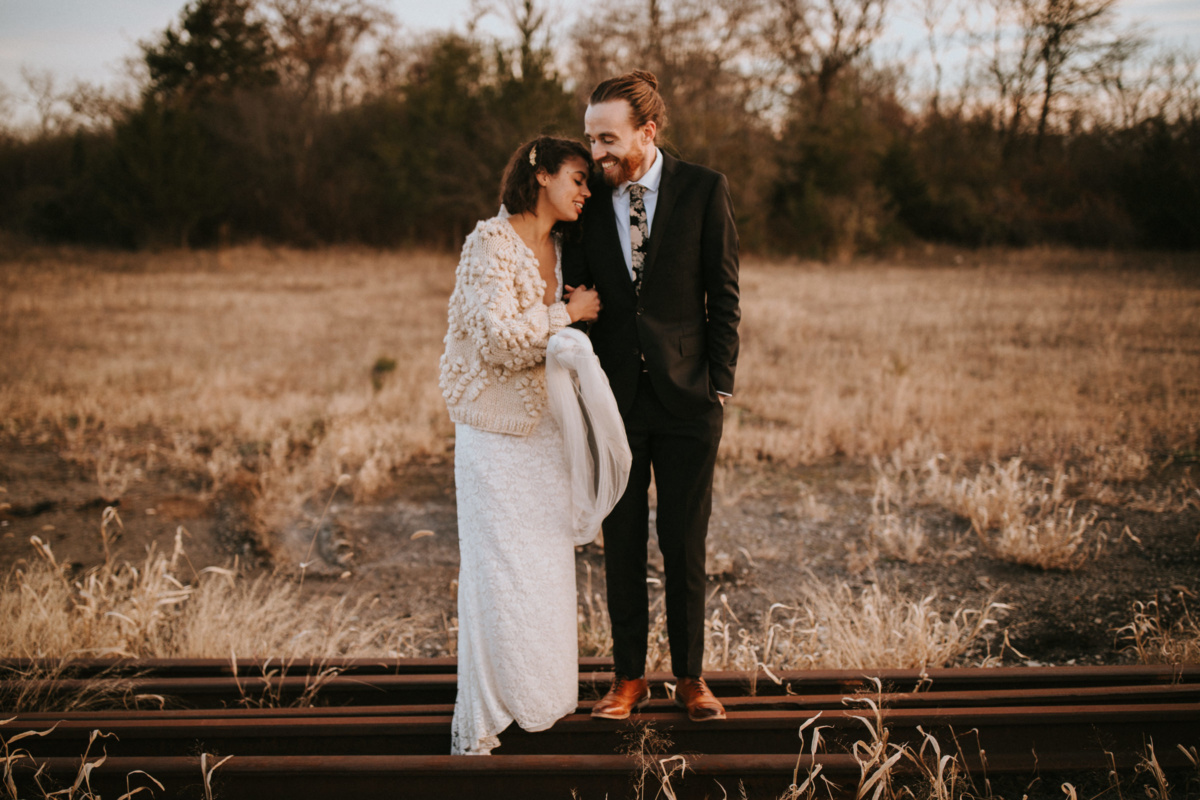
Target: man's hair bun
x,y
640,89
648,77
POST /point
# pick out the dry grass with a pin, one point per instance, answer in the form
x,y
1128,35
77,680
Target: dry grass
x,y
292,373
53,684
124,610
1157,638
649,749
828,627
15,758
838,628
889,533
1004,358
287,369
1017,515
595,630
251,363
930,770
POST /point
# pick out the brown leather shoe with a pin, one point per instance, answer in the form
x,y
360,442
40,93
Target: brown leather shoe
x,y
694,695
624,696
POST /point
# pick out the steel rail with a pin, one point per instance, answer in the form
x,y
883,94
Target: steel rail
x,y
519,777
1181,693
440,777
1075,731
820,689
999,722
600,669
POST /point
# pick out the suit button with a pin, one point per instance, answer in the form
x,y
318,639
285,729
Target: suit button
x,y
639,312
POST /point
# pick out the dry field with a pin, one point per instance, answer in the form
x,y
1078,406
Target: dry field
x,y
937,459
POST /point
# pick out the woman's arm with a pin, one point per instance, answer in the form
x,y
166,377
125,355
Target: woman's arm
x,y
507,334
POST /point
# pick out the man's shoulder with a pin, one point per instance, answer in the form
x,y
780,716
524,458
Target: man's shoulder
x,y
690,179
686,169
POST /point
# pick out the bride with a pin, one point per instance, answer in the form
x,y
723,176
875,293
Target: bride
x,y
540,454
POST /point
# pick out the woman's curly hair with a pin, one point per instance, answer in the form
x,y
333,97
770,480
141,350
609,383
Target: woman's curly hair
x,y
519,188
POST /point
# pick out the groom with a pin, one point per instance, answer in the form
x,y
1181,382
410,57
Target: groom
x,y
659,244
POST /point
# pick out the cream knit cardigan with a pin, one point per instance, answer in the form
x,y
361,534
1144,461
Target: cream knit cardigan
x,y
493,371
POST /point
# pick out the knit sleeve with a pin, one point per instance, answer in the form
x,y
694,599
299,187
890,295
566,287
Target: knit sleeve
x,y
514,323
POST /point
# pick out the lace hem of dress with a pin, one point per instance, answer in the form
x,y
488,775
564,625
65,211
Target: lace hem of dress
x,y
463,744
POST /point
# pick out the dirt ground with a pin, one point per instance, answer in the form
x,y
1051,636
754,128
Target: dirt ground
x,y
772,529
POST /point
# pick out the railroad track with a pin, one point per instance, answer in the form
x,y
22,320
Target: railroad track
x,y
375,729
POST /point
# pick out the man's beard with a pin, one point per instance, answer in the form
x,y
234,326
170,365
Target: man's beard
x,y
629,165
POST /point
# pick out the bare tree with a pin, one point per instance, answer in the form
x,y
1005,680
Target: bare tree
x,y
723,102
1068,36
6,112
693,46
705,54
95,107
528,20
39,87
1012,65
1179,95
1129,82
816,40
1141,84
933,15
318,42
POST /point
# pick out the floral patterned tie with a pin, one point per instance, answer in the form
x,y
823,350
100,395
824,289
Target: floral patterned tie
x,y
639,232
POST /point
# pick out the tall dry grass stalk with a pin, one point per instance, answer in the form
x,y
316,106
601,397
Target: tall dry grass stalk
x,y
595,629
1017,515
834,627
18,788
152,610
828,627
1156,639
888,532
53,684
649,749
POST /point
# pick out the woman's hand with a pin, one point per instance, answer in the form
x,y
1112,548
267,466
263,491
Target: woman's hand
x,y
583,304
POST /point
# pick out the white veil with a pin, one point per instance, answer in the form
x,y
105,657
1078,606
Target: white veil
x,y
597,451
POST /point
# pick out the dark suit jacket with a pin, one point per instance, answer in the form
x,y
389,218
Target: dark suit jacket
x,y
685,319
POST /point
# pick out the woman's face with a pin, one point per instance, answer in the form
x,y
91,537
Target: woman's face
x,y
564,192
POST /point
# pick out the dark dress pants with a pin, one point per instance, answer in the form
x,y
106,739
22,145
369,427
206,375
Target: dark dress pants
x,y
682,454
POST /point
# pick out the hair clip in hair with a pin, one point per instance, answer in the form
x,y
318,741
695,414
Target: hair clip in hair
x,y
533,156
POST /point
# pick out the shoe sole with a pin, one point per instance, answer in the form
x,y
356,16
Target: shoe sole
x,y
713,718
640,704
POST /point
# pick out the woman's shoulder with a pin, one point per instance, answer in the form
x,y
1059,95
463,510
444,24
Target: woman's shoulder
x,y
494,227
493,234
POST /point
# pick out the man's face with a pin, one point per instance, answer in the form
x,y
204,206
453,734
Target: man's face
x,y
621,151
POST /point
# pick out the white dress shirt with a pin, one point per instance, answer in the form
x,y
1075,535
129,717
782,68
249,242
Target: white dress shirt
x,y
620,199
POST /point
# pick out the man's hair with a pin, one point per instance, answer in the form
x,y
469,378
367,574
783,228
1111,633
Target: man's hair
x,y
638,88
519,188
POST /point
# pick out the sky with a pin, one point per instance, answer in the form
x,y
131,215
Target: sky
x,y
89,40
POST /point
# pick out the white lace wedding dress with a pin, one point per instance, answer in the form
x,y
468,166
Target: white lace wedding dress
x,y
518,645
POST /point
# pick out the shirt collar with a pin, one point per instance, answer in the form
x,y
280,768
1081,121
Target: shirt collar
x,y
650,180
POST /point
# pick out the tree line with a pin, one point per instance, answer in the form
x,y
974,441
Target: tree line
x,y
320,121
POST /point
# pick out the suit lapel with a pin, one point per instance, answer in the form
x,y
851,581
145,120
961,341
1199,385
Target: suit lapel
x,y
662,213
605,228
